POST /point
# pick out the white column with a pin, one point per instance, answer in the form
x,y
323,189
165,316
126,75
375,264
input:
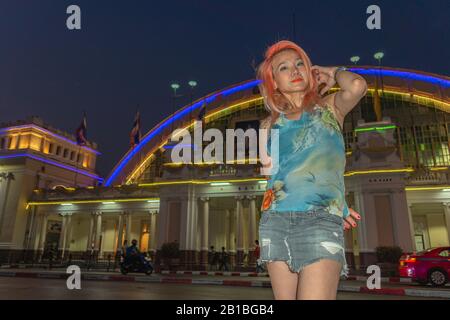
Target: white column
x,y
128,230
239,225
98,231
195,228
149,230
205,246
91,232
43,234
447,218
227,230
153,232
68,233
252,220
63,235
120,231
232,237
411,227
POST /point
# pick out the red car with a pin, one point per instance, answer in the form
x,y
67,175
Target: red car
x,y
430,266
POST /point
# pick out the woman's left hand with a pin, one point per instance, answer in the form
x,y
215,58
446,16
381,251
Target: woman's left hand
x,y
324,75
350,222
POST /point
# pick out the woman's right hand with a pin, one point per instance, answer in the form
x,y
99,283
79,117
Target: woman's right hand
x,y
350,222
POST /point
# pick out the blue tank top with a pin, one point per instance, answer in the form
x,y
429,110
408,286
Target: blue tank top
x,y
311,165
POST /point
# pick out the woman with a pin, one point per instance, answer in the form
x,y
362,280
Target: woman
x,y
304,210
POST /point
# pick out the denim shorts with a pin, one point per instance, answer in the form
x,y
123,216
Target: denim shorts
x,y
301,238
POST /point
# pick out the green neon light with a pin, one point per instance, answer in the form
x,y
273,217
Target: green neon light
x,y
375,128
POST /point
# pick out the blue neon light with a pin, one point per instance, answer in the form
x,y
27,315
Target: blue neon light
x,y
254,83
52,163
402,74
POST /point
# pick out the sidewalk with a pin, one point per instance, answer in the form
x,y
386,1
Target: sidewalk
x,y
227,279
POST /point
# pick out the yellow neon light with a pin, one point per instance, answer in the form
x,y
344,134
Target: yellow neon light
x,y
196,182
208,163
38,203
426,188
438,168
352,173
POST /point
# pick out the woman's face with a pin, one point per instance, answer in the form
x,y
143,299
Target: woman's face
x,y
289,72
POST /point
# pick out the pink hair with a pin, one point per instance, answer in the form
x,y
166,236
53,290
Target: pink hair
x,y
275,102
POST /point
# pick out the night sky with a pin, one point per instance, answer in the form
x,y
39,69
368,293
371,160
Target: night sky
x,y
129,52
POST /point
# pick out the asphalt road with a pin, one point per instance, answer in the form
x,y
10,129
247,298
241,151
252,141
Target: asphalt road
x,y
52,289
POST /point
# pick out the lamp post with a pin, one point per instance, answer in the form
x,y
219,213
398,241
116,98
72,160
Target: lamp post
x,y
378,56
192,84
174,86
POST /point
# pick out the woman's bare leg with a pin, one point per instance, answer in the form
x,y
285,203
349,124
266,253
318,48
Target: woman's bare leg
x,y
284,281
319,280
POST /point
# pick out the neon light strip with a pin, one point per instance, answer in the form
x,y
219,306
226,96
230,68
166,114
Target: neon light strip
x,y
28,126
197,182
20,155
426,188
402,74
352,173
165,123
375,128
171,119
39,203
415,96
438,168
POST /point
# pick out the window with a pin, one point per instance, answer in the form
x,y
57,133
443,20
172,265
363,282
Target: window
x,y
58,150
72,155
2,143
65,152
51,148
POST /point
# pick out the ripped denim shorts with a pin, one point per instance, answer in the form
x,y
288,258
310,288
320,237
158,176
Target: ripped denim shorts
x,y
301,238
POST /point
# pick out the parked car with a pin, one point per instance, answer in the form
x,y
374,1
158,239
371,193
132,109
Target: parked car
x,y
429,266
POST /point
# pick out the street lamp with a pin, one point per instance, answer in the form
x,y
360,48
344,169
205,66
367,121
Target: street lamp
x,y
354,59
174,86
379,56
192,84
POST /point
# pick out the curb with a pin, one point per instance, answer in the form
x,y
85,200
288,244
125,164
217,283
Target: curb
x,y
266,275
237,283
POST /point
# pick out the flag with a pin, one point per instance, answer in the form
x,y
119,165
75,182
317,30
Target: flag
x,y
202,112
135,135
377,102
81,132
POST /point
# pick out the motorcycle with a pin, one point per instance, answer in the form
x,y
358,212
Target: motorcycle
x,y
138,264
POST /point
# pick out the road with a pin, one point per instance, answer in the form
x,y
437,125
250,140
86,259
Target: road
x,y
51,289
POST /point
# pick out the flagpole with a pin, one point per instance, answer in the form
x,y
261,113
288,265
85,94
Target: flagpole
x,y
76,167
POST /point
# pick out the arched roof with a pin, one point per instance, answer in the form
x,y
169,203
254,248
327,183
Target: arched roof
x,y
411,83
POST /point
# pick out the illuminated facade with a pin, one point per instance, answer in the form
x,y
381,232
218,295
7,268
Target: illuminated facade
x,y
396,177
34,155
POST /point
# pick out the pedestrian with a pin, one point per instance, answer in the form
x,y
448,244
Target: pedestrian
x,y
223,260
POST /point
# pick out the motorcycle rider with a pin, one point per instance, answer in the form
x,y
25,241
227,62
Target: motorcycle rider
x,y
133,255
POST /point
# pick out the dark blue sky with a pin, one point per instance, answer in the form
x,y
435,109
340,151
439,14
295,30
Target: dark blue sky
x,y
128,52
